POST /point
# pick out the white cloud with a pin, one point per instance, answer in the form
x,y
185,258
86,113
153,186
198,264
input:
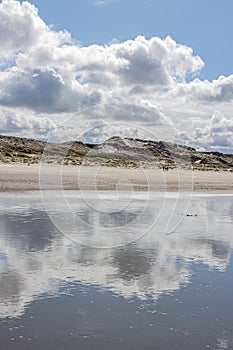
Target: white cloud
x,y
15,121
216,91
44,90
45,71
21,28
215,134
101,2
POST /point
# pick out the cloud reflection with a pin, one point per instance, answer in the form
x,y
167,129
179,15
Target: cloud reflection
x,y
36,259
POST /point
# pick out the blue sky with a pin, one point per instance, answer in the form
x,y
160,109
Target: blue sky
x,y
204,25
67,67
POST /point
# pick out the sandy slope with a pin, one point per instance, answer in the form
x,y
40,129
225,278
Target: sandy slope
x,y
20,177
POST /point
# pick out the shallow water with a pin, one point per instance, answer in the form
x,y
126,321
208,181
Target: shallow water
x,y
88,272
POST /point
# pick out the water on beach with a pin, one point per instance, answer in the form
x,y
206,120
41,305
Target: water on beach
x,y
80,271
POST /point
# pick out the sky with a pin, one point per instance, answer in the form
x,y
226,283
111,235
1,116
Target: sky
x,y
90,69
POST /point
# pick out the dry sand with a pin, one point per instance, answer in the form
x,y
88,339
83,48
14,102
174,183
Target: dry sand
x,y
21,177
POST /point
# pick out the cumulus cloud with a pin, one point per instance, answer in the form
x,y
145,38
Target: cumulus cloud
x,y
44,90
46,73
21,28
221,131
215,134
156,61
141,61
218,90
13,122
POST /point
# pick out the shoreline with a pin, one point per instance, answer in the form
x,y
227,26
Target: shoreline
x,y
24,178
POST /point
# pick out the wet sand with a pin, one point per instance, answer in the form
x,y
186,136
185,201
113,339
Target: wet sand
x,y
21,177
153,288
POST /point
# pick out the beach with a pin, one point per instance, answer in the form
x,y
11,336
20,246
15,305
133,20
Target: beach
x,y
117,246
127,272
21,177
